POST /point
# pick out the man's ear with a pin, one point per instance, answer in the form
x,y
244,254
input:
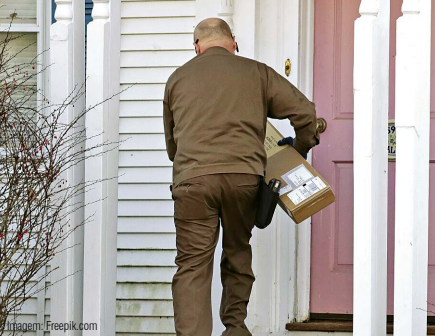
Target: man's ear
x,y
235,46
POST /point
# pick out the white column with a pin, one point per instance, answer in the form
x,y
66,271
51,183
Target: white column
x,y
371,71
412,167
226,11
99,300
66,280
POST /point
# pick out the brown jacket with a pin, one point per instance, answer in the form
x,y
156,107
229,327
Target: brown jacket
x,y
215,110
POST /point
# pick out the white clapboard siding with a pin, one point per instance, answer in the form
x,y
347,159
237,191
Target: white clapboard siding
x,y
157,9
144,191
151,274
146,175
144,308
135,59
141,125
157,75
142,108
143,291
156,38
145,158
145,224
152,241
150,324
149,42
142,92
136,257
142,142
170,25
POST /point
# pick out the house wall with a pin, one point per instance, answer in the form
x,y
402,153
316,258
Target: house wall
x,y
156,38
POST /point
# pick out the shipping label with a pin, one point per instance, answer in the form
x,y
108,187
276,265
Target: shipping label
x,y
306,190
297,176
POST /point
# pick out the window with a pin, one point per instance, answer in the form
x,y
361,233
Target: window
x,y
23,11
29,20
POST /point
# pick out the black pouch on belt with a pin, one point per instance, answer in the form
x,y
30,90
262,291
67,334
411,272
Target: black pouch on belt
x,y
268,196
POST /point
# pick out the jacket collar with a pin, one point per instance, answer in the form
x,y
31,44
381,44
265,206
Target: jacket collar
x,y
215,50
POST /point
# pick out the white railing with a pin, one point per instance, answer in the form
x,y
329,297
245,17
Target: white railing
x,y
371,70
412,168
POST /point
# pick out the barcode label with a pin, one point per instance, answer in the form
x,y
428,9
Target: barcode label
x,y
310,188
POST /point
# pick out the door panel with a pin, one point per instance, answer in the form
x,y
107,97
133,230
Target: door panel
x,y
332,228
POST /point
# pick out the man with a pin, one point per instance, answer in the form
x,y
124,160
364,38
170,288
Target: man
x,y
215,110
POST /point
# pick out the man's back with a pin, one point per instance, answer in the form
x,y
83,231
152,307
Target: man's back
x,y
218,106
215,111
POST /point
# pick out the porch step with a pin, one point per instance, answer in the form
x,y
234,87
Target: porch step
x,y
338,326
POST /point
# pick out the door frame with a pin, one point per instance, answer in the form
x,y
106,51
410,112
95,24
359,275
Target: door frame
x,y
303,78
297,255
303,230
283,246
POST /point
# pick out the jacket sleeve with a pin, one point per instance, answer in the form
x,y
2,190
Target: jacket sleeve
x,y
168,123
284,100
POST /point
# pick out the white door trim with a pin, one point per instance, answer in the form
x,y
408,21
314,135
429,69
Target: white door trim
x,y
285,29
303,230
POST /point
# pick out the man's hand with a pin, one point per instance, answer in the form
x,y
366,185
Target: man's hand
x,y
289,141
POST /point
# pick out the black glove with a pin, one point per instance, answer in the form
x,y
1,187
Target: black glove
x,y
289,141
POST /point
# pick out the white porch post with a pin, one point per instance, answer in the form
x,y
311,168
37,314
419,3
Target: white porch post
x,y
226,11
371,70
99,301
412,167
67,70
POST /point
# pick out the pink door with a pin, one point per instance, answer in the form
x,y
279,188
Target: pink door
x,y
332,228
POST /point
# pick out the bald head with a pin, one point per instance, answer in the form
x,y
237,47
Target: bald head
x,y
212,29
213,32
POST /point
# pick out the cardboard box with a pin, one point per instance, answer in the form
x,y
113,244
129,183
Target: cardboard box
x,y
303,192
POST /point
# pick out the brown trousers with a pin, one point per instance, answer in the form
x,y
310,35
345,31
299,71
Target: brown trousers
x,y
199,204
